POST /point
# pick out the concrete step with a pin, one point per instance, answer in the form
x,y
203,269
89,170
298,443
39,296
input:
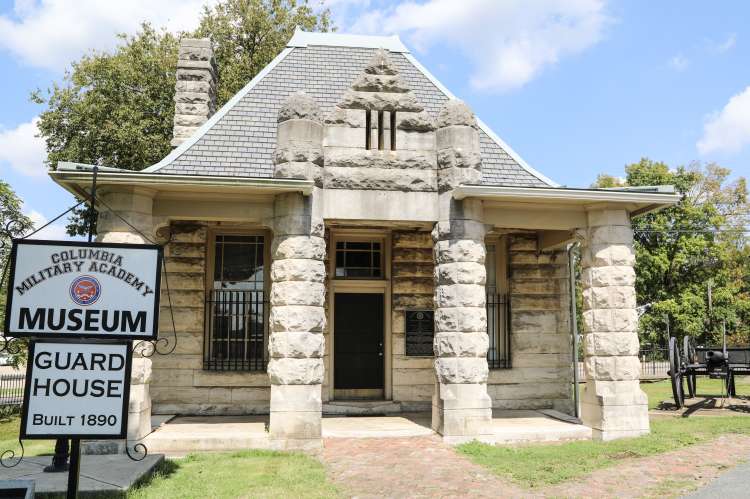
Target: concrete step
x,y
361,408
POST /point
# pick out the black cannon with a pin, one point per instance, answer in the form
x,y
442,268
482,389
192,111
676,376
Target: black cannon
x,y
715,362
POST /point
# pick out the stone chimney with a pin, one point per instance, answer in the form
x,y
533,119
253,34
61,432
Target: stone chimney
x,y
195,95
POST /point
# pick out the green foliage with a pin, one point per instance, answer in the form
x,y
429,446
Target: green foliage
x,y
684,250
249,34
13,223
117,109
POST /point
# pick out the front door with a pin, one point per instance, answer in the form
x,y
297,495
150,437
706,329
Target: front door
x,y
358,345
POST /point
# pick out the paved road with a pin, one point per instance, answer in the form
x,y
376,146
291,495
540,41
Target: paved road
x,y
733,483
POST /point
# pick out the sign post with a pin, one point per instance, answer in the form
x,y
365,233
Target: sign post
x,y
80,302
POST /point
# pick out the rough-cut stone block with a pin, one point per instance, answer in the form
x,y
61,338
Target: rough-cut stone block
x,y
379,101
379,83
456,113
460,229
418,255
408,285
300,106
461,273
610,320
288,371
354,118
461,319
297,293
460,295
295,318
380,179
417,122
461,344
348,157
459,251
461,370
606,344
298,270
285,247
296,345
410,240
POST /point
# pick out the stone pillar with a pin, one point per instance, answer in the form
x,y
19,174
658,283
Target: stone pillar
x,y
459,160
612,403
461,408
195,88
299,141
296,344
135,206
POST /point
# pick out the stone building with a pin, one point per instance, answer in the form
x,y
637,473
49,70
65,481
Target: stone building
x,y
344,229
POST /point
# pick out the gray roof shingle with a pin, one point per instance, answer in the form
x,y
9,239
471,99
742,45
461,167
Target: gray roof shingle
x,y
242,141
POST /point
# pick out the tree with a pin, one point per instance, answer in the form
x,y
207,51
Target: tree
x,y
116,109
685,250
248,34
13,223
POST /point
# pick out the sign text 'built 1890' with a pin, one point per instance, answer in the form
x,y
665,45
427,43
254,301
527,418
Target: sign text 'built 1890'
x,y
76,390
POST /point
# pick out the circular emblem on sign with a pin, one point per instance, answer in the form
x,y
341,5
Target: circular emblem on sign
x,y
85,290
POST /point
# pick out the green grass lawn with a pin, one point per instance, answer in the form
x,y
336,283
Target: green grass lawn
x,y
254,473
217,475
9,429
538,465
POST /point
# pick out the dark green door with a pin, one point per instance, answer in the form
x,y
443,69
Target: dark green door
x,y
358,341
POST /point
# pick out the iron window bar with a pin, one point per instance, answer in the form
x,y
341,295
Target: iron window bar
x,y
235,336
498,329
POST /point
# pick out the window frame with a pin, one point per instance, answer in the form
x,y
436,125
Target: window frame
x,y
362,238
210,264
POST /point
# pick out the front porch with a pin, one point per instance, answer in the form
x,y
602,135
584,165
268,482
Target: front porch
x,y
176,436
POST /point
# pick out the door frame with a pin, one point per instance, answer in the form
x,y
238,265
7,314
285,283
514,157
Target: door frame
x,y
380,286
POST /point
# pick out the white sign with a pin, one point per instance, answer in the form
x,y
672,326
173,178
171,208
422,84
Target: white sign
x,y
65,289
76,390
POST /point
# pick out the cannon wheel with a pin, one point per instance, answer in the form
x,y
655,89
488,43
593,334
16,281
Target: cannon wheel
x,y
688,351
675,373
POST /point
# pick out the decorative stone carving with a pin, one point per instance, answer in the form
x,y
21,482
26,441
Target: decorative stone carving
x,y
456,113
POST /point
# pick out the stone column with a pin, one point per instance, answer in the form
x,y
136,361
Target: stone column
x,y
458,157
134,205
461,408
195,87
612,403
296,344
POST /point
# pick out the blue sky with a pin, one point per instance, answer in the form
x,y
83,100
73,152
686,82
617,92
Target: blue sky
x,y
576,87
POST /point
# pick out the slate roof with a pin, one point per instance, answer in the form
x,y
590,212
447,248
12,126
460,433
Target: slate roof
x,y
241,142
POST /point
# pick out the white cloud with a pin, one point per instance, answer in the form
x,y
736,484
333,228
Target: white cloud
x,y
679,62
51,33
23,150
728,130
727,44
509,42
54,231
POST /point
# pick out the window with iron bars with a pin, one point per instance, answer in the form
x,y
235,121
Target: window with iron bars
x,y
498,307
236,306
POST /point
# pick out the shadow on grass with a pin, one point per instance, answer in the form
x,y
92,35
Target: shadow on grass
x,y
163,470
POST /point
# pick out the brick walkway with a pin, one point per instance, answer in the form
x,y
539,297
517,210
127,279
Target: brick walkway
x,y
425,467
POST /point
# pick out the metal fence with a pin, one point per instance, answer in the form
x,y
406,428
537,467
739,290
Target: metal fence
x,y
11,389
235,331
654,363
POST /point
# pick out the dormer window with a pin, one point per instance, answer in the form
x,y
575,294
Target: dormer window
x,y
375,130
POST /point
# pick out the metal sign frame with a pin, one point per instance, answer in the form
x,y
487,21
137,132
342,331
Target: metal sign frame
x,y
123,433
104,336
